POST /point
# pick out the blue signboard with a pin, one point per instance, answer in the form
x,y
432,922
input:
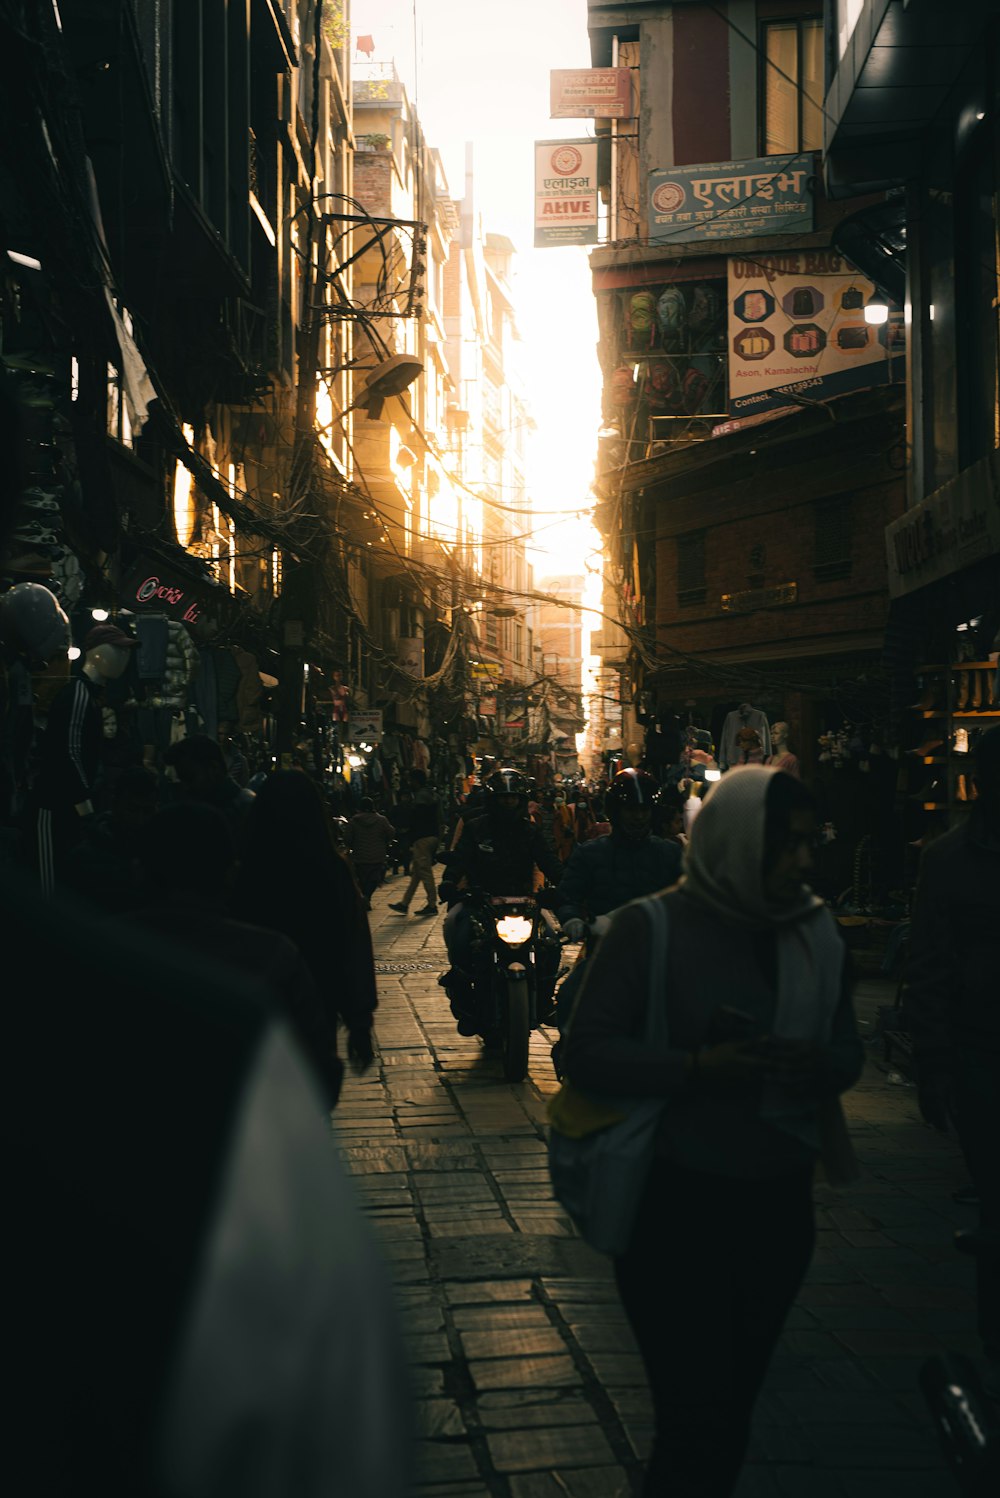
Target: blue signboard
x,y
732,200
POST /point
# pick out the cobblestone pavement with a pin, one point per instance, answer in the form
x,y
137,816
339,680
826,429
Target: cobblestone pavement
x,y
525,1374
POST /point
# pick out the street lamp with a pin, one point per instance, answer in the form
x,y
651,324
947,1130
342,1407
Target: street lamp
x,y
391,377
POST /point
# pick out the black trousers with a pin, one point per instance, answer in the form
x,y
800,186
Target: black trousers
x,y
707,1281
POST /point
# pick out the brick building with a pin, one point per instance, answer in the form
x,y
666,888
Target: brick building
x,y
752,450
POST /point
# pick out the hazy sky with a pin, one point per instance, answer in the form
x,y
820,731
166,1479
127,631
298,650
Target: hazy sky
x,y
482,75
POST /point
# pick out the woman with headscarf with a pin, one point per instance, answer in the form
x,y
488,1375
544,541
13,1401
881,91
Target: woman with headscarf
x,y
761,1042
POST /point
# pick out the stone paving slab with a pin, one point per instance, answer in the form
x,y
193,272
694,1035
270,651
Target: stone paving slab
x,y
525,1376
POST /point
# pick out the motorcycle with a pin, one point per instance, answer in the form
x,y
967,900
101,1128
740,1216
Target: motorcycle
x,y
511,937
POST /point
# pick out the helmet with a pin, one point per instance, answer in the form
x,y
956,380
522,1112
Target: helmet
x,y
631,788
508,782
33,619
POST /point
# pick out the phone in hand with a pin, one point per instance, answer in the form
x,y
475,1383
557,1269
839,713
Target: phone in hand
x,y
729,1024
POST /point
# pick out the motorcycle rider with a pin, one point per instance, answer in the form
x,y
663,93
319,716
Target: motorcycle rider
x,y
496,854
610,871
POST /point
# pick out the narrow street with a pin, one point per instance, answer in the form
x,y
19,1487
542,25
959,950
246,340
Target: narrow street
x,y
525,1376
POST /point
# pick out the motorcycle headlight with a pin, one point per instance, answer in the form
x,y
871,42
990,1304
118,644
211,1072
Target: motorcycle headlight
x,y
514,929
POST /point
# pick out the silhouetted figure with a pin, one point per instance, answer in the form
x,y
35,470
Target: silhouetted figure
x,y
725,1229
295,880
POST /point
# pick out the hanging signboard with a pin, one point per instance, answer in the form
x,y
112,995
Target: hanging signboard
x,y
485,670
590,93
365,727
797,325
957,525
410,656
731,199
156,586
565,192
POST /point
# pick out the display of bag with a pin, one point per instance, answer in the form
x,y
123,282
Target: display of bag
x,y
600,1148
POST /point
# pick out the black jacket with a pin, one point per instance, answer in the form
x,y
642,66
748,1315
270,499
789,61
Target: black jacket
x,y
608,872
70,750
500,856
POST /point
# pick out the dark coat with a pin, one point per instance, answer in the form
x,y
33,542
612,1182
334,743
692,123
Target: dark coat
x,y
500,856
610,871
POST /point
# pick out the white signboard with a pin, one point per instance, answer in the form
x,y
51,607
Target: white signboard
x,y
590,93
797,325
365,727
565,192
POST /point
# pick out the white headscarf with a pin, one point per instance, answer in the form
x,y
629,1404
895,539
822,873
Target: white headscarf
x,y
724,870
724,862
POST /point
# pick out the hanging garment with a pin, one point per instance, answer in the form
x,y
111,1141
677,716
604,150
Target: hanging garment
x,y
744,716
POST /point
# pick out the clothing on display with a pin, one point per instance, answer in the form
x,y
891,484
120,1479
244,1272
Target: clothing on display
x,y
421,756
731,751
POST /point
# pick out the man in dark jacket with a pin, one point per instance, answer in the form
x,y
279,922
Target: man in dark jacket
x,y
608,872
497,854
953,1010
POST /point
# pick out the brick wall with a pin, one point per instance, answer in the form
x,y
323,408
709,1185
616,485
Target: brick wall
x,y
373,181
760,526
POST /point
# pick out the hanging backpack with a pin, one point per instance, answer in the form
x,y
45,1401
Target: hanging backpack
x,y
706,307
641,317
623,386
671,314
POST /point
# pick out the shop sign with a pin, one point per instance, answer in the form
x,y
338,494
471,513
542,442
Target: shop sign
x,y
149,587
732,200
410,656
565,192
752,599
590,93
487,707
485,670
957,525
797,326
365,727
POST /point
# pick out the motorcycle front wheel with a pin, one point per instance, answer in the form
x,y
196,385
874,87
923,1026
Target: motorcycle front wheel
x,y
517,1031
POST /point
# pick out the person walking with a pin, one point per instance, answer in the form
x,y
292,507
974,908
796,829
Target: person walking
x,y
294,879
368,837
762,1040
425,835
953,1012
563,823
399,816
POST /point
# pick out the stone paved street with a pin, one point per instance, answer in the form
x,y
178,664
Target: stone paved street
x,y
526,1379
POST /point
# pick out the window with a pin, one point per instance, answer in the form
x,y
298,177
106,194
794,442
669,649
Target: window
x,y
792,86
832,545
691,569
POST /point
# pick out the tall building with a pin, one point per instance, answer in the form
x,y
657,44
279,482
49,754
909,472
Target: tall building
x,y
929,161
752,450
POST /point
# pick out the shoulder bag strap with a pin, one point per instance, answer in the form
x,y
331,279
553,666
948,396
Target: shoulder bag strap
x,y
656,1007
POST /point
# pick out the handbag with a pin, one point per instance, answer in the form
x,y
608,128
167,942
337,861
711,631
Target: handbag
x,y
600,1149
